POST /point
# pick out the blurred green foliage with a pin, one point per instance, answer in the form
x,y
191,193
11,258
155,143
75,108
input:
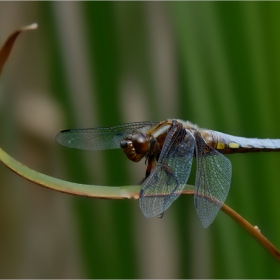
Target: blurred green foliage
x,y
216,64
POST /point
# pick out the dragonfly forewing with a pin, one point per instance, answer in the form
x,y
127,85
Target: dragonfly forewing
x,y
102,138
168,178
213,178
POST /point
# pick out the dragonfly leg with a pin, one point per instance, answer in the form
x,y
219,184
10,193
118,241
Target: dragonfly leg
x,y
160,215
151,165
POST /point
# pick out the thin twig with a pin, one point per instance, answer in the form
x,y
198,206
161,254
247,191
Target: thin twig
x,y
254,231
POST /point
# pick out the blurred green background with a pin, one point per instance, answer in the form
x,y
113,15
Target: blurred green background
x,y
92,64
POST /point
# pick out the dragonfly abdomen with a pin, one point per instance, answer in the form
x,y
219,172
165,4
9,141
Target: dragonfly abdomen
x,y
228,144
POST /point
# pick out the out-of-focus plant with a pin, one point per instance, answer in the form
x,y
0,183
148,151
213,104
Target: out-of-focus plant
x,y
104,192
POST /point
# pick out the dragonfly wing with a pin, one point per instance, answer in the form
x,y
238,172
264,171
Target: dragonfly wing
x,y
101,138
213,177
168,178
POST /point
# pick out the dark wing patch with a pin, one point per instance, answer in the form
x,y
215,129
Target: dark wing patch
x,y
168,178
101,138
213,177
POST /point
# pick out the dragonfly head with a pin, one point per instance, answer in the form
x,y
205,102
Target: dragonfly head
x,y
135,146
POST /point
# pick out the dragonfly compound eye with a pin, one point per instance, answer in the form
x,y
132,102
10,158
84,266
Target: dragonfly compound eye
x,y
123,144
140,143
129,150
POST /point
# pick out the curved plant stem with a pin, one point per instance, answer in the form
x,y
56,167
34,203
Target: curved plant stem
x,y
117,193
68,187
73,188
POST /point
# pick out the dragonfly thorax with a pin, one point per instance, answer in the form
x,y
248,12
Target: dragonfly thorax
x,y
136,146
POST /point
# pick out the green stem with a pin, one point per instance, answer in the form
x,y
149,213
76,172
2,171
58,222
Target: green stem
x,y
68,187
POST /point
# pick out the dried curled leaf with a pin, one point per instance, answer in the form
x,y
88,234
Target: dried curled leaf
x,y
8,45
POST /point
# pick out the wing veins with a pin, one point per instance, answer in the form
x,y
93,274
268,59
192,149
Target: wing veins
x,y
167,180
101,138
212,184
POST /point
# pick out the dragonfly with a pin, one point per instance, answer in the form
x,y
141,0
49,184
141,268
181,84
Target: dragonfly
x,y
169,148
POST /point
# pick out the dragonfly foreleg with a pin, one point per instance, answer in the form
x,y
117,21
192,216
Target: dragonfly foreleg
x,y
160,215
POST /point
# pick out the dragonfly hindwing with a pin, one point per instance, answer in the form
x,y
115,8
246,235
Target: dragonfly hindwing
x,y
168,178
213,177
